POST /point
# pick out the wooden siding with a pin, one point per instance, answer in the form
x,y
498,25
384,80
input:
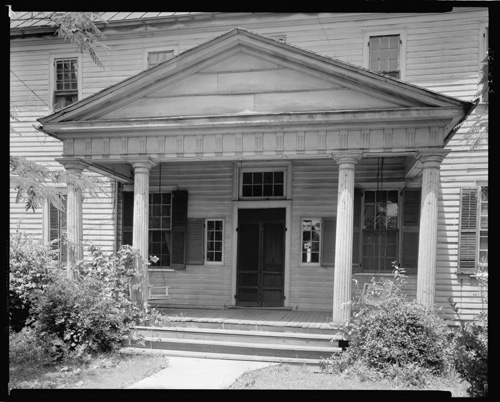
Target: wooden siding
x,y
442,54
210,189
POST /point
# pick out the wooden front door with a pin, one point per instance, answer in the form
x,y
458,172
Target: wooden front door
x,y
261,257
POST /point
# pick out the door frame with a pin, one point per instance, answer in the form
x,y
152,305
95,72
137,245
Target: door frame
x,y
287,205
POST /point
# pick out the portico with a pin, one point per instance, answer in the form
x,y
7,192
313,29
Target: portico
x,y
339,120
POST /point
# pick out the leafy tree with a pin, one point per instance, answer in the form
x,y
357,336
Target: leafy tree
x,y
28,178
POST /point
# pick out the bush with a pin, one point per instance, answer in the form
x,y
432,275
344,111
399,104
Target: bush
x,y
92,313
470,349
31,269
397,338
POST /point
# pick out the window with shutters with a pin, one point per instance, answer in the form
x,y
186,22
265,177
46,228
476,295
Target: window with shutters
x,y
214,236
57,230
384,52
473,242
386,229
380,230
168,227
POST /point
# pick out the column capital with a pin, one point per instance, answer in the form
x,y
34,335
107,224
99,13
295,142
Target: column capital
x,y
347,159
141,165
432,158
72,165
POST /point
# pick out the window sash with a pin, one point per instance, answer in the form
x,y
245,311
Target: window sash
x,y
214,241
57,230
311,239
160,226
263,184
155,58
384,54
380,230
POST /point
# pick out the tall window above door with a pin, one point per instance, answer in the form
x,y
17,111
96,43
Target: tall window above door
x,y
66,81
385,53
267,183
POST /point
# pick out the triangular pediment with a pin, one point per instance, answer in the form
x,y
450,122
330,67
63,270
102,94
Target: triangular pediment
x,y
244,73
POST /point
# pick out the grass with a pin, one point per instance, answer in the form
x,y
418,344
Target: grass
x,y
108,371
295,377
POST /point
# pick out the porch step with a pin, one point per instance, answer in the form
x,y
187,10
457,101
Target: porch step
x,y
315,363
248,343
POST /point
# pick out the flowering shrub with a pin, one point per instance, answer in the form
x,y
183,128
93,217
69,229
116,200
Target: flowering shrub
x,y
31,270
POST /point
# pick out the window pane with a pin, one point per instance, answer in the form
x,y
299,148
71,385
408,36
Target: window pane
x,y
257,178
278,177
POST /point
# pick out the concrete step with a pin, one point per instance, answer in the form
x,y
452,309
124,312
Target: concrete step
x,y
315,363
267,337
248,343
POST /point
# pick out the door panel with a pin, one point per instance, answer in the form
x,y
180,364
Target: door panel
x,y
261,255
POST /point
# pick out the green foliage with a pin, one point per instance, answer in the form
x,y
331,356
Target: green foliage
x,y
79,29
394,339
92,313
470,347
32,267
30,179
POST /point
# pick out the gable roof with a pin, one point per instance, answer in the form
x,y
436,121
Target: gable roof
x,y
401,94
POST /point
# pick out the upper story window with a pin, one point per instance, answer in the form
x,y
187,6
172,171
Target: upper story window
x,y
157,57
384,52
66,82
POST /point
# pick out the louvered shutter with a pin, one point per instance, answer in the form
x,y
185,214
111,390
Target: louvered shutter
x,y
195,241
179,226
468,231
127,217
356,266
328,230
410,229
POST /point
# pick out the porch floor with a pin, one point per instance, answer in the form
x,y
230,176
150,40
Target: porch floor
x,y
250,319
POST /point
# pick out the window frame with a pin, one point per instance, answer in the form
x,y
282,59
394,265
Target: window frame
x,y
46,221
52,75
320,242
146,51
206,240
161,230
263,169
367,34
399,245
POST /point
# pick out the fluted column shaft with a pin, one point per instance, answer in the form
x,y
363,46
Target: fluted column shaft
x,y
74,221
426,277
343,239
140,234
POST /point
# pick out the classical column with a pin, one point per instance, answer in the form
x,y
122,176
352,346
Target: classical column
x,y
140,232
343,239
426,277
74,204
